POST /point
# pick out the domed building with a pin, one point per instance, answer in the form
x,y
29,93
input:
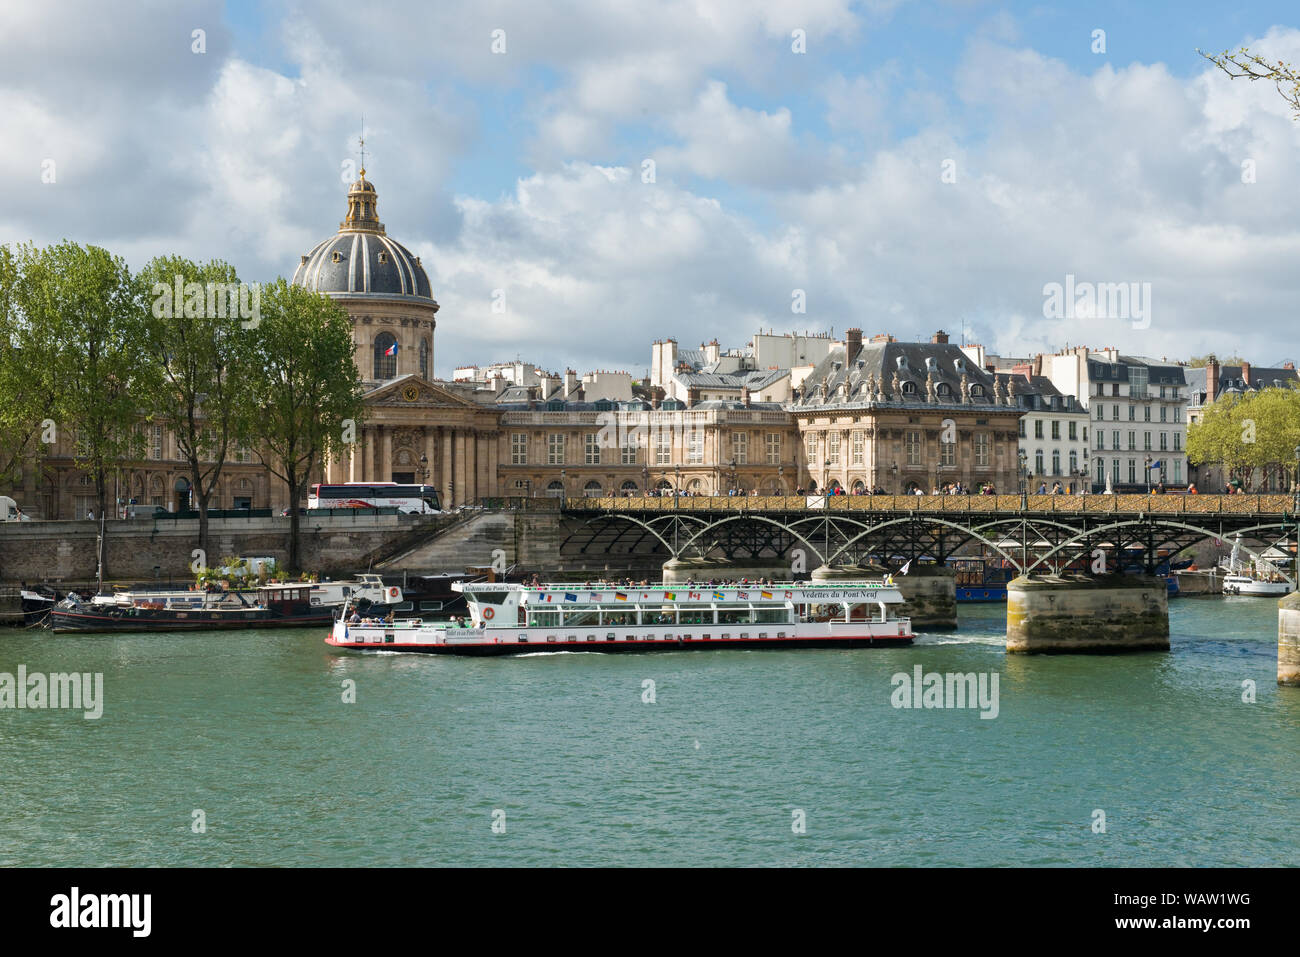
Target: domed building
x,y
416,429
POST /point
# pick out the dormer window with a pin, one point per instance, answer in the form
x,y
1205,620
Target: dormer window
x,y
336,257
383,257
909,388
943,389
977,389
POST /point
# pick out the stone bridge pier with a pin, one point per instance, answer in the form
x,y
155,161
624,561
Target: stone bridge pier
x,y
1087,614
929,591
1288,640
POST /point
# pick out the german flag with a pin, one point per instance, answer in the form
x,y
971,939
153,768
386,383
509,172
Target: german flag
x,y
619,596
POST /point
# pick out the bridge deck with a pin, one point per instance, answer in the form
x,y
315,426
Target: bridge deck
x,y
1199,505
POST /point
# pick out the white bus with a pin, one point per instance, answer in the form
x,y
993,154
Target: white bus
x,y
422,499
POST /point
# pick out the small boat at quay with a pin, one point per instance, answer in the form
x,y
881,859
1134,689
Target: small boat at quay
x,y
512,618
1260,578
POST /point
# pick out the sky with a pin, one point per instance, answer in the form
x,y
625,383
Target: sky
x,y
583,177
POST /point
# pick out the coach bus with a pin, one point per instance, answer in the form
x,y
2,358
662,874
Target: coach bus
x,y
406,498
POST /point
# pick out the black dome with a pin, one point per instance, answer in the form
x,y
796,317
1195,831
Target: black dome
x,y
362,262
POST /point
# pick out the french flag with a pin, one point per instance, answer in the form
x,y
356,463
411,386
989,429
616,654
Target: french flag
x,y
391,350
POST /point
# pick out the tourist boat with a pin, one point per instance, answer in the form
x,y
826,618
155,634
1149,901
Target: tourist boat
x,y
512,618
271,606
1260,579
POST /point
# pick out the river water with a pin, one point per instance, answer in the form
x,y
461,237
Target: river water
x,y
739,752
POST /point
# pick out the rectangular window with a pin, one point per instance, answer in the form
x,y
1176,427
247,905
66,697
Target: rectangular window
x,y
1132,471
1038,462
627,454
1101,411
519,448
1114,472
1056,462
591,449
913,446
774,448
1056,430
1164,443
1101,439
1132,413
810,446
1114,440
740,448
1164,413
663,447
555,449
1132,441
858,446
1074,462
1178,471
156,445
1146,441
1137,381
1074,431
1178,413
1022,428
981,449
695,446
1178,441
1038,428
832,448
947,453
1114,413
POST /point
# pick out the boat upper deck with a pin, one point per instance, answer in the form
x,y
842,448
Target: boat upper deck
x,y
599,593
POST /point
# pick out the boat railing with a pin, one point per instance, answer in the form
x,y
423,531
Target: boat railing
x,y
695,586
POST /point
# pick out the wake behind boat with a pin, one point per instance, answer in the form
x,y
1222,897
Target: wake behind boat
x,y
507,619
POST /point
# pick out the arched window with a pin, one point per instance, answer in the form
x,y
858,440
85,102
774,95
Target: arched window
x,y
385,356
629,484
909,388
424,358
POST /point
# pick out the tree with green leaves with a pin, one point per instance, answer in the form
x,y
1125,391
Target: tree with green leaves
x,y
29,411
201,362
307,390
1244,65
87,301
1198,362
1247,435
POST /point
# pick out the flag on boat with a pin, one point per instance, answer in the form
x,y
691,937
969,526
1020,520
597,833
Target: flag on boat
x,y
542,596
595,596
741,594
693,595
906,566
719,596
670,595
391,350
619,596
787,594
765,594
569,597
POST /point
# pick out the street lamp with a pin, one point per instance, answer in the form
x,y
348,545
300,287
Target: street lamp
x,y
564,489
731,476
645,480
1022,458
1148,464
424,467
1083,480
780,477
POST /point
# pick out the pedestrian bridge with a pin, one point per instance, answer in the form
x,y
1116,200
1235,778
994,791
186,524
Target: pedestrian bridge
x,y
1036,533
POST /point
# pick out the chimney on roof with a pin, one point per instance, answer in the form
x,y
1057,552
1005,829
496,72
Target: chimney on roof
x,y
939,338
1245,372
570,383
852,344
693,395
744,395
882,337
1211,378
1038,364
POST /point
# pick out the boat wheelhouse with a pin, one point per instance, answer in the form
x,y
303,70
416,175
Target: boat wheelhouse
x,y
506,618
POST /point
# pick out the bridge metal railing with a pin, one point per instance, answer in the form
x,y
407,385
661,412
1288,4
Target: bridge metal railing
x,y
1152,504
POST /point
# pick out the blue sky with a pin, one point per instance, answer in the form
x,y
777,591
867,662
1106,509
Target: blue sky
x,y
774,171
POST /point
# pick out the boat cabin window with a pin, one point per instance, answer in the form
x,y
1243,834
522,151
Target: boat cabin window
x,y
733,615
771,614
578,618
544,619
619,617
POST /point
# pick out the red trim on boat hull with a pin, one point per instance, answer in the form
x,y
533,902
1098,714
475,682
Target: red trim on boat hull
x,y
611,647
